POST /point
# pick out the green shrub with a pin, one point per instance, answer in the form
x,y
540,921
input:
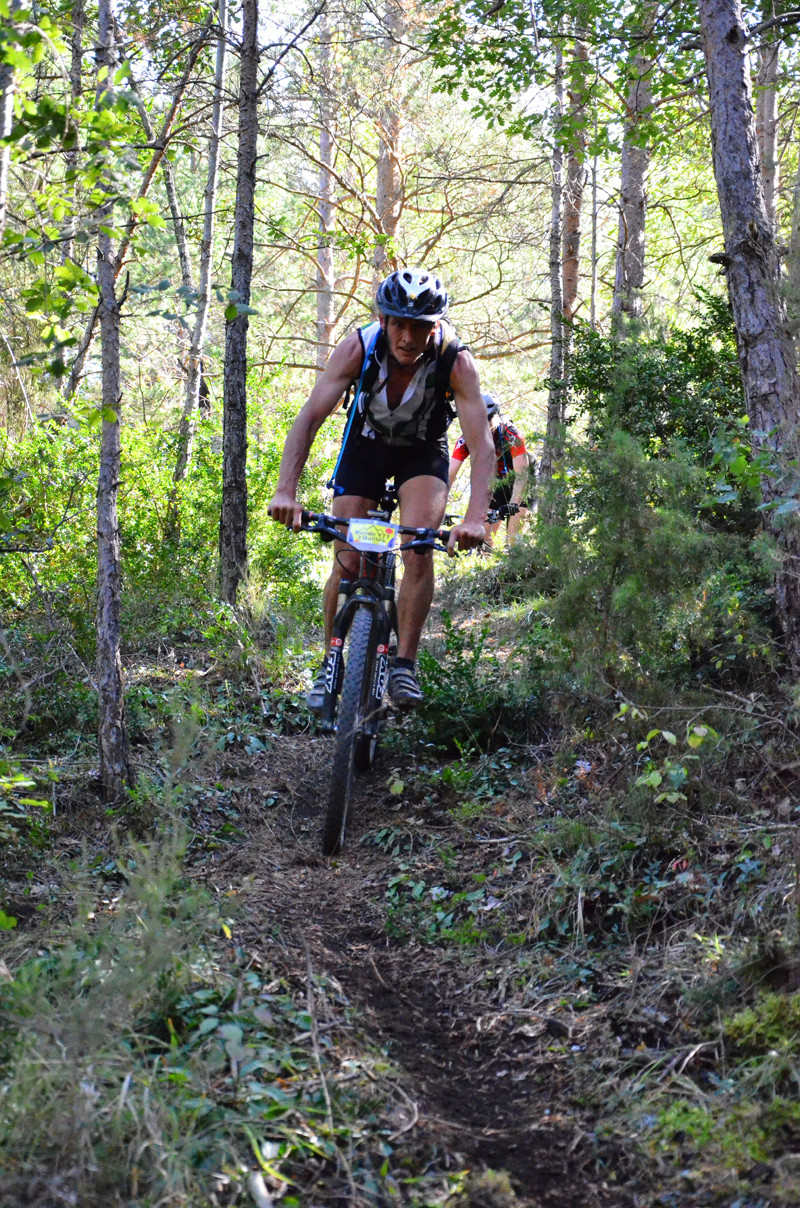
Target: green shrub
x,y
469,701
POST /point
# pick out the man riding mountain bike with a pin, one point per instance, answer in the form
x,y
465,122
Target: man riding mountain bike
x,y
410,376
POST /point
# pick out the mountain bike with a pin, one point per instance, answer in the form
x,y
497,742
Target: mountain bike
x,y
366,619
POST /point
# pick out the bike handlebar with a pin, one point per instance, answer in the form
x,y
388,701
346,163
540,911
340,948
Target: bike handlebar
x,y
505,509
325,525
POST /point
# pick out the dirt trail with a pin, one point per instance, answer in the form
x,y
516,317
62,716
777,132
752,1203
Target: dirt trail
x,y
486,1093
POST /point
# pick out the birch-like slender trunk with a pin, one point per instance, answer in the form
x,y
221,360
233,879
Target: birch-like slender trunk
x,y
72,153
112,734
389,187
181,242
7,88
194,364
575,182
593,299
766,350
630,256
551,448
767,125
233,519
326,281
159,149
793,260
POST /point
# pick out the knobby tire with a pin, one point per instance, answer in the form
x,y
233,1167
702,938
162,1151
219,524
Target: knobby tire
x,y
352,707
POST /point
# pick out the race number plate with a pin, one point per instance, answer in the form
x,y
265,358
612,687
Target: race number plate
x,y
372,535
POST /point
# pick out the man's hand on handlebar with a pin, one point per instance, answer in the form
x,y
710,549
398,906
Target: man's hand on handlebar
x,y
286,510
469,534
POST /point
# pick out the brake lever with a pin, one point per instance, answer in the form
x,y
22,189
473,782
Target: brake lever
x,y
328,534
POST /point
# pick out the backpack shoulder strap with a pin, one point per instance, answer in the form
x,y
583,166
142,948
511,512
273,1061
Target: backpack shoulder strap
x,y
451,346
374,350
355,408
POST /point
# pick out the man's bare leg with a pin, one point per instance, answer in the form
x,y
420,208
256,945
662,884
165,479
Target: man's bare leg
x,y
345,559
422,504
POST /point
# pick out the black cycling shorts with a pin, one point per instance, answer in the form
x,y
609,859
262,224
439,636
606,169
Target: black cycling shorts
x,y
369,463
502,492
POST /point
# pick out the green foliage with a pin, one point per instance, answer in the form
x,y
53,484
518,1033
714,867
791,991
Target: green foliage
x,y
753,1116
430,912
632,583
147,1029
20,812
661,385
773,1022
467,703
169,589
626,554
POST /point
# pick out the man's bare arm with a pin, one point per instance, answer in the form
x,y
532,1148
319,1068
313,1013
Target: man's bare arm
x,y
475,430
344,364
520,467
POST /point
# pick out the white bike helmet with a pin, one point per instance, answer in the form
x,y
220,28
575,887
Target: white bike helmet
x,y
412,293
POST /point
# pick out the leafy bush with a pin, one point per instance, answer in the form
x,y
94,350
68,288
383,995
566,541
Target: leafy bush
x,y
664,384
631,580
468,703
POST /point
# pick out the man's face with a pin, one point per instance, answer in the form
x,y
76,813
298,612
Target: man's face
x,y
408,338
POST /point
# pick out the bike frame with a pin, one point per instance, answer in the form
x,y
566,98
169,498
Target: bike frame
x,y
374,588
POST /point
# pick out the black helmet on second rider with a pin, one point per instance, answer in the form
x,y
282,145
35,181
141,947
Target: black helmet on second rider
x,y
492,405
412,293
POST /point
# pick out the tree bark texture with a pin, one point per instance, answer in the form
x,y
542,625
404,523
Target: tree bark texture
x,y
71,154
115,768
7,87
766,349
389,188
194,363
575,181
233,520
326,281
551,447
793,260
767,125
630,255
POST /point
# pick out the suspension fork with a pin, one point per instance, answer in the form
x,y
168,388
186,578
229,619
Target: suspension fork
x,y
383,624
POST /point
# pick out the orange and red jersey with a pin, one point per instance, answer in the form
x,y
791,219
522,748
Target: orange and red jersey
x,y
508,444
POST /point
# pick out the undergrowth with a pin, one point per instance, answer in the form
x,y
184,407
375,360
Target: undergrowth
x,y
146,1057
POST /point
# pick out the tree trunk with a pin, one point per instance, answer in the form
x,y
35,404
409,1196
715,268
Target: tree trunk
x,y
325,271
389,187
194,365
767,125
551,447
7,85
793,260
71,155
233,520
160,147
630,257
766,350
575,182
115,768
593,297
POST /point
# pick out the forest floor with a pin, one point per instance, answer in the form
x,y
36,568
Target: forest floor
x,y
520,985
481,1070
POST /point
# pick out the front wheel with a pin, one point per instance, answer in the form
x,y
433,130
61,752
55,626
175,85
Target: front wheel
x,y
348,749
